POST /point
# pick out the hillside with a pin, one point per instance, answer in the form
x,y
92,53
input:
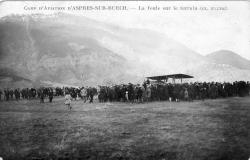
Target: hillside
x,y
74,50
45,50
229,58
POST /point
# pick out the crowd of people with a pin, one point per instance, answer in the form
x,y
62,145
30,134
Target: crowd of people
x,y
149,91
145,92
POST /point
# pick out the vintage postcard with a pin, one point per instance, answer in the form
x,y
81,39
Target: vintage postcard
x,y
134,80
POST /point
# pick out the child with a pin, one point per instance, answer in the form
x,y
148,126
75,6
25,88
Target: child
x,y
68,101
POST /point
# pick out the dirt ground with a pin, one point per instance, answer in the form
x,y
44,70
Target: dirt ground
x,y
200,130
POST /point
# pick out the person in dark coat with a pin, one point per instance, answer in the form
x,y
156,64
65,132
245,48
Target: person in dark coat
x,y
17,94
139,94
91,93
1,95
41,96
6,94
50,95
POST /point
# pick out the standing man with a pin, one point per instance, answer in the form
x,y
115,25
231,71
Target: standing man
x,y
50,95
6,94
41,95
17,94
186,96
91,95
148,93
1,94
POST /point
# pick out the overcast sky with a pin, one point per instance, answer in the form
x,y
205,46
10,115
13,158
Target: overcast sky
x,y
202,31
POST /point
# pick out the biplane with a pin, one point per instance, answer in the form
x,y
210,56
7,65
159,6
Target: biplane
x,y
164,78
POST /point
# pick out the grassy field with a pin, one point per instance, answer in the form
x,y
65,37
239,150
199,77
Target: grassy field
x,y
200,130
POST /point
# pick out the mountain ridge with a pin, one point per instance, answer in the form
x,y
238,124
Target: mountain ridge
x,y
84,51
229,58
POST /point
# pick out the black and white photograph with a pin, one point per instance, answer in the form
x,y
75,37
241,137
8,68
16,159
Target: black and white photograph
x,y
124,80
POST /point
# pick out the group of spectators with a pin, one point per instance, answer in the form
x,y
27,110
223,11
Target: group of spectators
x,y
157,91
85,93
145,92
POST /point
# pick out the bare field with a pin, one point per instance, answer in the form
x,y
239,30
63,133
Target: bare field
x,y
200,130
